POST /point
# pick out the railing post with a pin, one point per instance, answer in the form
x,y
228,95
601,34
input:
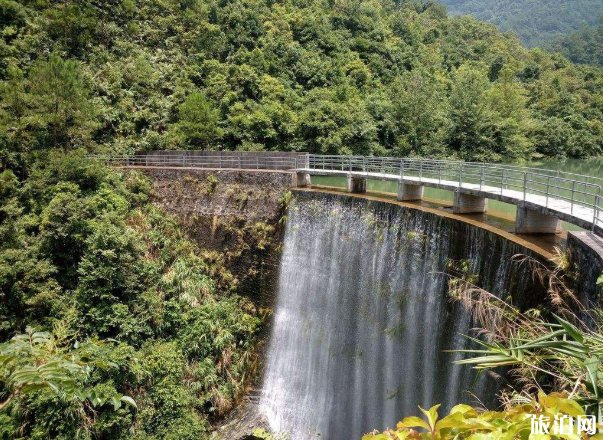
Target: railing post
x,y
440,172
596,210
350,163
146,160
525,185
364,164
548,184
421,170
573,192
402,169
183,159
461,175
481,179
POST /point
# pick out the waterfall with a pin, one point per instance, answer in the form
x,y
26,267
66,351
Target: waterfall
x,y
363,319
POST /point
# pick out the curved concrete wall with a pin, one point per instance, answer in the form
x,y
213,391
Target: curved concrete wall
x,y
585,253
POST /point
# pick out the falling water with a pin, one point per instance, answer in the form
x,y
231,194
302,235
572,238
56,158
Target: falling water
x,y
363,318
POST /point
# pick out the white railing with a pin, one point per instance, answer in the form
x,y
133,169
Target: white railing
x,y
578,190
187,159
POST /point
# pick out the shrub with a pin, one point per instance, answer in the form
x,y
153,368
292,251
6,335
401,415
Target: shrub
x,y
465,422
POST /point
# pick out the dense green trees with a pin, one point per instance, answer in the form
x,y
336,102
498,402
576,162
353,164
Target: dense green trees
x,y
85,257
568,27
349,76
197,127
537,22
584,46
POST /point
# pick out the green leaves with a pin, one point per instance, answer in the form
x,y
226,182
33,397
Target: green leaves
x,y
412,422
580,347
198,125
465,422
563,351
32,362
432,416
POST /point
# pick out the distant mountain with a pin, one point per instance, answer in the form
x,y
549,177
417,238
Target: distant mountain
x,y
537,22
583,47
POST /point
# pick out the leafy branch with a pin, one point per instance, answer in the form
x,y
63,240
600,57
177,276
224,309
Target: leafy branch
x,y
32,362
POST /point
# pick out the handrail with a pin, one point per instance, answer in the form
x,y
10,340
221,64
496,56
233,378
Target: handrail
x,y
519,182
258,162
581,192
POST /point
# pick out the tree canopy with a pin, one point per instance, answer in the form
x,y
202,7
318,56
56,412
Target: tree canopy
x,y
537,22
584,46
126,310
324,76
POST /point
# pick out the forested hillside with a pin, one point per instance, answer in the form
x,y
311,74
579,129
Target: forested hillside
x,y
537,22
340,76
584,46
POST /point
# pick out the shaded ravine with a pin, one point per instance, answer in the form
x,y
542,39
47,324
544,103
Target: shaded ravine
x,y
362,317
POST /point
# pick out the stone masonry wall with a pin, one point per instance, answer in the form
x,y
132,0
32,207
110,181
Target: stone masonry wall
x,y
235,216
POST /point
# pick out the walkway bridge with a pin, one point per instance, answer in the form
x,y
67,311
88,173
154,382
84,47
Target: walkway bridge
x,y
543,197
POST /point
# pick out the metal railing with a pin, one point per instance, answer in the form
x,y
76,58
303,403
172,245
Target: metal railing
x,y
579,192
243,161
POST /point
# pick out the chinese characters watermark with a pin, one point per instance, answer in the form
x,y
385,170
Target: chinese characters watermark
x,y
563,424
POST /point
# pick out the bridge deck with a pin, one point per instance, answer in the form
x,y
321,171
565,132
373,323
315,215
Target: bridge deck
x,y
574,198
564,210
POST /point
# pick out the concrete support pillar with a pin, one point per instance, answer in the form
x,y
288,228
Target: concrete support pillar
x,y
356,184
530,221
408,192
301,180
469,204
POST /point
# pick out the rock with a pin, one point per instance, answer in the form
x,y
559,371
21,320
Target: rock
x,y
241,422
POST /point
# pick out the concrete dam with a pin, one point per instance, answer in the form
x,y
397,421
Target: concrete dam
x,y
363,323
363,318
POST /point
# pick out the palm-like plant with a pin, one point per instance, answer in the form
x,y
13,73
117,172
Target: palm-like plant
x,y
32,362
566,346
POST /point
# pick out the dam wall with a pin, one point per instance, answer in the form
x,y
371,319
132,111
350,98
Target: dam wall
x,y
364,319
234,215
585,257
